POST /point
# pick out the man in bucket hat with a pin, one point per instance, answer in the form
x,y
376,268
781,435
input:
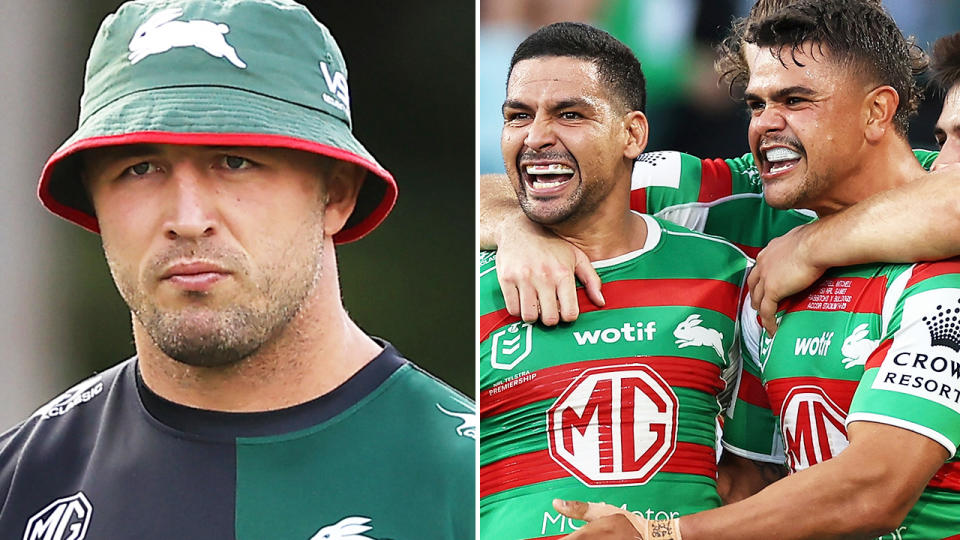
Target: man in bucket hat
x,y
215,157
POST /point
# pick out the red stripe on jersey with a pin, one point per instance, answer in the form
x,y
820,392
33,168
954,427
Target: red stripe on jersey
x,y
840,391
549,383
714,294
922,271
496,319
751,251
715,180
534,467
850,294
877,356
947,477
752,391
638,200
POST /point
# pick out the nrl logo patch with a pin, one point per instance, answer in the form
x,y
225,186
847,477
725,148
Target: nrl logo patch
x,y
162,32
511,345
63,519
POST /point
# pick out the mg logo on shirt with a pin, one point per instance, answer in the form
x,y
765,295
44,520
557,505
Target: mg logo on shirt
x,y
813,427
511,345
63,519
614,425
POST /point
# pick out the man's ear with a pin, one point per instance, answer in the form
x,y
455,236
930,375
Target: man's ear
x,y
638,130
880,106
342,181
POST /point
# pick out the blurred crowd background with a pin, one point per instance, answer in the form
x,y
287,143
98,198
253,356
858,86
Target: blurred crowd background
x,y
674,41
411,76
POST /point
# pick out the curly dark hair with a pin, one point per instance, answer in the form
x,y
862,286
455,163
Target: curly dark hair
x,y
858,33
945,61
617,66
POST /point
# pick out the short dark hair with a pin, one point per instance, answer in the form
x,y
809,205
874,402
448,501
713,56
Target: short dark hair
x,y
617,66
945,61
730,62
858,33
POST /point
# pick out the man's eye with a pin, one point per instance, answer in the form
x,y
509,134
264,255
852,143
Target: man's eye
x,y
940,139
568,115
141,169
511,117
754,106
794,101
236,162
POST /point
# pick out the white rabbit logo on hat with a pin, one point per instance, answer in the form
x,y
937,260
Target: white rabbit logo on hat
x,y
162,32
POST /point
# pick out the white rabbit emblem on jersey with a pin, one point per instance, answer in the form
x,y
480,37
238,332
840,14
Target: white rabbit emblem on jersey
x,y
161,32
350,528
689,333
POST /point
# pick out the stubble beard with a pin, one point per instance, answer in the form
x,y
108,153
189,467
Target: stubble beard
x,y
581,202
210,337
809,190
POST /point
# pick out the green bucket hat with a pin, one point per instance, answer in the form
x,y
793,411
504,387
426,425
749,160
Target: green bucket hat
x,y
224,73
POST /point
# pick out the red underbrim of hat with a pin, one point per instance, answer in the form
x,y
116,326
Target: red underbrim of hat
x,y
89,222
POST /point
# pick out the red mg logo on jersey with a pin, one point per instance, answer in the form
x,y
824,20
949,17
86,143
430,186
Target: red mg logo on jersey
x,y
614,425
813,429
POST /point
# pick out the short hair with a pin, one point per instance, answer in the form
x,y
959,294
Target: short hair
x,y
617,65
858,33
730,62
945,61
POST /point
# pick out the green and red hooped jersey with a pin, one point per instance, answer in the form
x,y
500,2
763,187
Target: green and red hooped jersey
x,y
877,343
722,197
625,397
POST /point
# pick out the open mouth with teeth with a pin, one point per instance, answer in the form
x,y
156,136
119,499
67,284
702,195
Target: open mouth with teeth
x,y
546,179
781,159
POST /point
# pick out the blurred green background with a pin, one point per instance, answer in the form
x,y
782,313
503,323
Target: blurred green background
x,y
411,75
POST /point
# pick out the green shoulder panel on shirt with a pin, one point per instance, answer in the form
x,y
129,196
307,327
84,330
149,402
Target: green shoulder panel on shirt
x,y
414,433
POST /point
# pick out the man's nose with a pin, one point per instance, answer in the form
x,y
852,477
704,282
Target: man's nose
x,y
769,119
540,134
949,154
190,200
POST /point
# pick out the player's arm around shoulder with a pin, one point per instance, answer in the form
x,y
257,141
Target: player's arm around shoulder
x,y
875,229
537,270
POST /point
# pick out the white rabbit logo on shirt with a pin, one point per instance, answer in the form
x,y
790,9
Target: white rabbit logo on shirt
x,y
162,32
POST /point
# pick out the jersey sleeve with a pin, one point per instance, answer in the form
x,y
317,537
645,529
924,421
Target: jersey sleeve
x,y
750,428
721,197
925,157
490,303
912,379
664,179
